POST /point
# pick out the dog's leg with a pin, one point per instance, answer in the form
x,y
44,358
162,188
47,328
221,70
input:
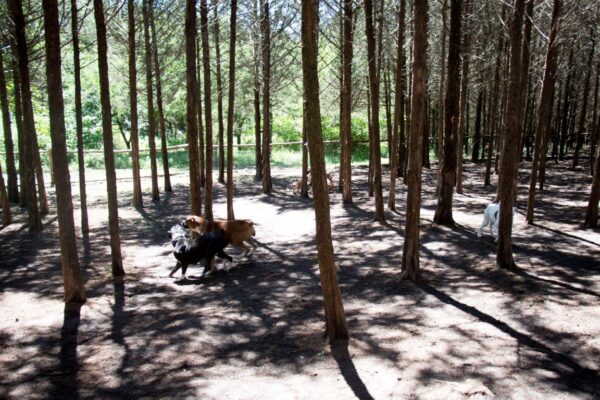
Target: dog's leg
x,y
175,268
213,266
183,271
483,224
253,248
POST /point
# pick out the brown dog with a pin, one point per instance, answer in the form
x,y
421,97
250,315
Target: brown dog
x,y
237,231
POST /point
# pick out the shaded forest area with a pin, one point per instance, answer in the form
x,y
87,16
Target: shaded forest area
x,y
391,124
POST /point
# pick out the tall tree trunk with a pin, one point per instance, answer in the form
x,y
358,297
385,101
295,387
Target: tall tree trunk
x,y
304,182
11,169
595,121
464,96
216,33
28,165
23,165
135,143
230,109
200,115
159,104
439,131
477,134
334,310
396,147
387,97
564,127
267,185
193,116
73,282
418,122
443,213
6,218
79,116
256,91
109,157
545,108
509,160
208,195
374,96
346,118
524,78
147,4
584,105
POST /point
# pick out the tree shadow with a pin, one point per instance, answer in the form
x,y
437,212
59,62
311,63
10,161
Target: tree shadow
x,y
342,357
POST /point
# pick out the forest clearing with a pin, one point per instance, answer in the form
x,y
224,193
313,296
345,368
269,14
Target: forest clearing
x,y
467,330
300,199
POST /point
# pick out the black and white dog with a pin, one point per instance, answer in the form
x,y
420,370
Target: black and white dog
x,y
190,250
490,217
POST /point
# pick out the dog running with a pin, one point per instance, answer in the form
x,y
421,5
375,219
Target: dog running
x,y
237,232
192,250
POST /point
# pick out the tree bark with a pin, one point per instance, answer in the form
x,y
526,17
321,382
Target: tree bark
x,y
346,115
79,117
418,127
6,217
134,138
267,185
230,108
208,195
464,96
256,92
334,310
11,169
439,131
374,96
109,158
509,160
545,108
23,165
29,135
583,114
477,133
193,116
147,4
73,282
200,115
443,213
396,147
216,33
159,104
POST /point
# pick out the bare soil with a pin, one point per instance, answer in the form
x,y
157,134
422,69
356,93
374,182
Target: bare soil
x,y
467,331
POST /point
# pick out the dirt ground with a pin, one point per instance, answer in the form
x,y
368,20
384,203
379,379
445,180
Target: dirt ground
x,y
467,331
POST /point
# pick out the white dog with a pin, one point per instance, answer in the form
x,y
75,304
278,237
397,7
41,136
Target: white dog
x,y
490,217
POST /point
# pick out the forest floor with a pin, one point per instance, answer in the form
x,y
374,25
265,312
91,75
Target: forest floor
x,y
467,331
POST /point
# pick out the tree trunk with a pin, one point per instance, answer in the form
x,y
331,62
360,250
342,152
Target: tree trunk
x,y
267,185
208,195
147,4
439,131
304,183
565,111
509,160
73,282
29,161
6,218
256,92
443,213
200,115
595,121
193,116
396,146
464,95
477,133
374,96
334,310
79,117
346,117
134,138
418,118
583,114
221,177
230,109
23,165
545,108
11,169
109,158
159,104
